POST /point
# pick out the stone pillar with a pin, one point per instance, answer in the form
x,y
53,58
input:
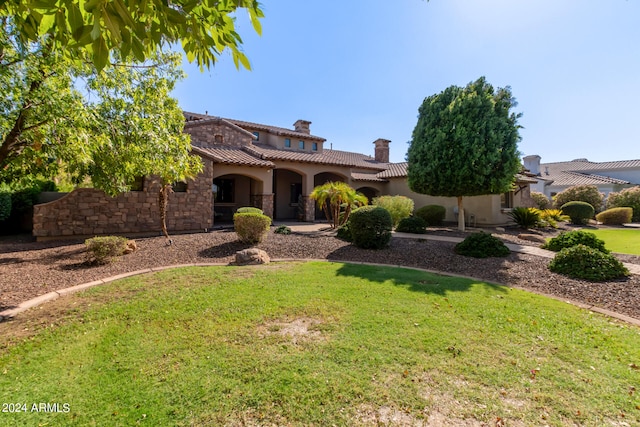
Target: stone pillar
x,y
266,204
309,209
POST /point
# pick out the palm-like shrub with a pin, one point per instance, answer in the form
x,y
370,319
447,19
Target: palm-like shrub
x,y
580,193
399,207
583,262
337,200
371,227
551,217
432,214
482,245
525,217
615,216
629,197
579,212
573,238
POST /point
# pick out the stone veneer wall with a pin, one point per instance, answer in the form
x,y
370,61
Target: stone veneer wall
x,y
203,133
88,212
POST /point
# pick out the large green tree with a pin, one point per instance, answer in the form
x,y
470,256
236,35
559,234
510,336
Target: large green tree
x,y
465,143
135,29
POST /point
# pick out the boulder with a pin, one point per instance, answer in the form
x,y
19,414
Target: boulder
x,y
131,247
532,237
252,256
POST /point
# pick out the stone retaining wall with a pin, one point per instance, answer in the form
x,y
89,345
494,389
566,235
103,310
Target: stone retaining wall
x,y
89,212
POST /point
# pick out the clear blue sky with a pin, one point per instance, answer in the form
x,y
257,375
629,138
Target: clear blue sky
x,y
359,70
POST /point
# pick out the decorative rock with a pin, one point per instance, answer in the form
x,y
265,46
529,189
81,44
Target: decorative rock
x,y
532,238
252,256
500,229
131,247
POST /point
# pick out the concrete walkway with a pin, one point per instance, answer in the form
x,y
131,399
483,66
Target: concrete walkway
x,y
306,227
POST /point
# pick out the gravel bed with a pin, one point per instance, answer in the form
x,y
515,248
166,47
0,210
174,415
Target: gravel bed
x,y
29,269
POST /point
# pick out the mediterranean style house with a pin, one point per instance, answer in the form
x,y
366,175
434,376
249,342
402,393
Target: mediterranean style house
x,y
606,176
251,164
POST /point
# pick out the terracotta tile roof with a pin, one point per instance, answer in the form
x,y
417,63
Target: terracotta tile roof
x,y
371,177
570,178
584,172
394,170
525,179
275,130
232,156
327,157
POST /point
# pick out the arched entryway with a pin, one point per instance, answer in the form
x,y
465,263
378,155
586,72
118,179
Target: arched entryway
x,y
369,192
233,191
287,187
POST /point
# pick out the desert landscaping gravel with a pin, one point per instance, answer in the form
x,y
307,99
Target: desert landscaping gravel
x,y
29,269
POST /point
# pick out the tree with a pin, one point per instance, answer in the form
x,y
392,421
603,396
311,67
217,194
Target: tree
x,y
109,126
134,30
465,143
331,197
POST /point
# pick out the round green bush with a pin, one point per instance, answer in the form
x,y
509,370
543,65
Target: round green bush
x,y
573,238
541,200
282,229
629,197
482,245
432,214
5,205
249,209
615,216
104,249
251,227
580,193
583,262
579,212
412,224
399,207
344,232
371,227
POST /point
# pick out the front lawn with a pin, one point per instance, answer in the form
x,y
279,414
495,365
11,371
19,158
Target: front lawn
x,y
320,344
621,240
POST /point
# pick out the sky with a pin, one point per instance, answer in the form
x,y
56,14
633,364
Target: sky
x,y
359,70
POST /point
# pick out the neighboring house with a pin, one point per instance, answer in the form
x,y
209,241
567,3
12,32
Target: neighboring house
x,y
606,176
251,164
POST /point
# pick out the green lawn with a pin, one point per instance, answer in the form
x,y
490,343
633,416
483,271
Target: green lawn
x,y
621,240
319,344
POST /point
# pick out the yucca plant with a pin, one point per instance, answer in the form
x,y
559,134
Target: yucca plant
x,y
525,217
551,217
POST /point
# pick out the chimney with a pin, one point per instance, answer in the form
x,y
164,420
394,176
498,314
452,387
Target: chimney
x,y
382,150
302,126
532,163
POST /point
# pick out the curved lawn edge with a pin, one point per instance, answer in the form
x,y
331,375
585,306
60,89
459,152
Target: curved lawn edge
x,y
34,302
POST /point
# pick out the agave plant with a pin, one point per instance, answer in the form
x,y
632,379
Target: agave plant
x,y
334,196
525,217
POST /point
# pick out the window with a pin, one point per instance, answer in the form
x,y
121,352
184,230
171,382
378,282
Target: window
x,y
301,145
218,139
295,192
257,135
314,146
506,200
137,184
225,189
287,143
179,187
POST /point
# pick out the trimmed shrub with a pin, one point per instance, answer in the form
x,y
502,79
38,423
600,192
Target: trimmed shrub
x,y
583,262
104,249
282,229
629,198
579,212
615,216
371,227
482,245
5,205
249,209
525,217
541,200
432,214
251,227
344,232
412,224
573,238
399,207
580,193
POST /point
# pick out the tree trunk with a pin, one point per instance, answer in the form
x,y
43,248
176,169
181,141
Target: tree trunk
x,y
460,214
163,201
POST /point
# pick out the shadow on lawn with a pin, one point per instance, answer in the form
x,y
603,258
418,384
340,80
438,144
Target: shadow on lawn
x,y
430,283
